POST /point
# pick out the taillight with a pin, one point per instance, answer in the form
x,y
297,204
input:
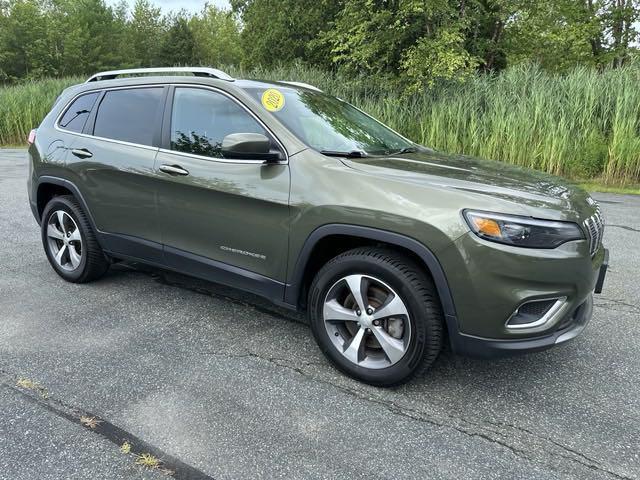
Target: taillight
x,y
32,136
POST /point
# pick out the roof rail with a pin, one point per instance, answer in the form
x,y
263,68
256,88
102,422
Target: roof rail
x,y
197,71
301,84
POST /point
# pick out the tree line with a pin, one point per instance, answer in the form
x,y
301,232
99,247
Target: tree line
x,y
417,43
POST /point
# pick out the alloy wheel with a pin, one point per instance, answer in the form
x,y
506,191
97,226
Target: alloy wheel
x,y
367,321
64,240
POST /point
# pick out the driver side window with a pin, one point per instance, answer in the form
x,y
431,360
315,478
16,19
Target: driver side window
x,y
201,118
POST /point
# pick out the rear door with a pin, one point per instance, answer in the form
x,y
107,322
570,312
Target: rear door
x,y
115,158
231,211
70,125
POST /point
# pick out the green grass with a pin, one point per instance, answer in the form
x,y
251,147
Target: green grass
x,y
601,187
583,125
23,106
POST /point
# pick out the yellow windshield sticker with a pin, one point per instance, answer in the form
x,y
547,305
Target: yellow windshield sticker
x,y
273,100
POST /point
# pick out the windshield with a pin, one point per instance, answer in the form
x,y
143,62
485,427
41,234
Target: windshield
x,y
326,123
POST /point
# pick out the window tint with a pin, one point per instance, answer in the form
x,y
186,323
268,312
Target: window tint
x,y
76,115
129,115
202,118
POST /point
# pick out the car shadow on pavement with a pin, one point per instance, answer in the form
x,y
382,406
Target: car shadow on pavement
x,y
448,372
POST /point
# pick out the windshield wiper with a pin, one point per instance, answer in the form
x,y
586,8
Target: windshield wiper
x,y
78,113
351,154
405,150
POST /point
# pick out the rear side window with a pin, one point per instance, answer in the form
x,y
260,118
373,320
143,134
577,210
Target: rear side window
x,y
129,115
201,119
78,112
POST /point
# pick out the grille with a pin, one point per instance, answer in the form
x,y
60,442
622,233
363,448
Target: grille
x,y
595,228
536,308
530,312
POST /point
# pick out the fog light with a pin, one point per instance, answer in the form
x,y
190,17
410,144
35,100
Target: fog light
x,y
535,313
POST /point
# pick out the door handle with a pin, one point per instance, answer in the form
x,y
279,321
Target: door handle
x,y
82,153
174,170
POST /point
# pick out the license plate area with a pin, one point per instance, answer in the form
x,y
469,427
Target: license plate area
x,y
603,272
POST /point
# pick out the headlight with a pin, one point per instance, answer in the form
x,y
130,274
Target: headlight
x,y
521,231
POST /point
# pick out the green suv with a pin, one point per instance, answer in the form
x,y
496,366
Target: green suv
x,y
393,249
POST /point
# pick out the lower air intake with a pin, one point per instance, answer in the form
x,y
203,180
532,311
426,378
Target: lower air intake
x,y
535,313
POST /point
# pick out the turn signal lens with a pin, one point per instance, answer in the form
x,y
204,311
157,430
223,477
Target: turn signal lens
x,y
522,231
486,226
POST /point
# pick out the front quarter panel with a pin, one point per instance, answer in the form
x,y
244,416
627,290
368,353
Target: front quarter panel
x,y
324,190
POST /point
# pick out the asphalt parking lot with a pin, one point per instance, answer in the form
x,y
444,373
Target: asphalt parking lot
x,y
218,384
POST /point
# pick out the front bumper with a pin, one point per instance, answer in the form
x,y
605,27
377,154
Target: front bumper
x,y
490,282
568,328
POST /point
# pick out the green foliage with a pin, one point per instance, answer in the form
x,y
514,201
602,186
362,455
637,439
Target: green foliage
x,y
584,124
558,34
145,28
417,64
442,57
179,45
413,43
421,43
20,59
22,107
217,37
60,37
422,40
280,31
44,38
485,22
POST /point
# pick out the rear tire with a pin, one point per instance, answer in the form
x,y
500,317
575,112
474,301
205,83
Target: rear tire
x,y
400,332
70,243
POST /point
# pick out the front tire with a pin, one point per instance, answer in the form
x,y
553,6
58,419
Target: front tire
x,y
376,316
70,243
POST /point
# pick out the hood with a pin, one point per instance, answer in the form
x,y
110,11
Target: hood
x,y
522,186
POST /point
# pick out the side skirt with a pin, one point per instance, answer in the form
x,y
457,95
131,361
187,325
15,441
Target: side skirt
x,y
169,258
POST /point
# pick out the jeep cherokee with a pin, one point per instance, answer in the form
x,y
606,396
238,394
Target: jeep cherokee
x,y
284,191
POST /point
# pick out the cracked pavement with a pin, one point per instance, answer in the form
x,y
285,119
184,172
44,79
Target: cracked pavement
x,y
236,388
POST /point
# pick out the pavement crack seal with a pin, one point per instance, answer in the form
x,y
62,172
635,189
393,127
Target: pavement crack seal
x,y
624,227
146,455
497,433
612,303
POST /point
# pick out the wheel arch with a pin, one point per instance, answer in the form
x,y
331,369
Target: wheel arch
x,y
49,187
307,262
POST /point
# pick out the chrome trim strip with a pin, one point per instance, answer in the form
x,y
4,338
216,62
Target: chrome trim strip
x,y
578,328
210,72
111,140
218,160
594,226
551,314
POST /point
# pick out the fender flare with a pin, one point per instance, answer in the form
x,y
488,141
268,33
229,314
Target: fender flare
x,y
293,289
69,186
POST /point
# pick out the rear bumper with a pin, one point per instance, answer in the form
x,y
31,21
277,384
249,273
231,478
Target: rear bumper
x,y
569,328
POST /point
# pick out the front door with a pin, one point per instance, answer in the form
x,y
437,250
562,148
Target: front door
x,y
217,212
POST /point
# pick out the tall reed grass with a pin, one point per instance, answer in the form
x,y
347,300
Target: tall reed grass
x,y
583,124
23,106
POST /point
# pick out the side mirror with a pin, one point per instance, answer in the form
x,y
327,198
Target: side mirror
x,y
249,146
